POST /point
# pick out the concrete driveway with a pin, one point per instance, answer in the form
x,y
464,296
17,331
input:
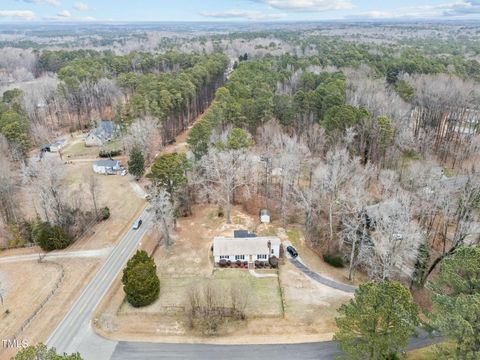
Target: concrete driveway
x,y
299,264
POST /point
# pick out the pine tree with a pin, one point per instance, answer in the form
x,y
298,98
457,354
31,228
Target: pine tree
x,y
136,164
378,322
456,302
140,281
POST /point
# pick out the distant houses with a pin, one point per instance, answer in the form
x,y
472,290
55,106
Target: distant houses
x,y
102,134
107,167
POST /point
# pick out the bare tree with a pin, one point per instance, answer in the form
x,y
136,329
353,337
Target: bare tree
x,y
220,174
46,177
339,172
395,239
145,133
93,189
164,212
8,185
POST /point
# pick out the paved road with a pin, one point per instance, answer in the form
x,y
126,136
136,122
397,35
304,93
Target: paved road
x,y
320,279
319,351
74,333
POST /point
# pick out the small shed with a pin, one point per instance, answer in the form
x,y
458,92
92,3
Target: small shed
x,y
264,216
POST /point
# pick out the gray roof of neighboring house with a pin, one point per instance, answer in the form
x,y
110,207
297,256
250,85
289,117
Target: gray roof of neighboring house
x,y
107,163
243,246
105,130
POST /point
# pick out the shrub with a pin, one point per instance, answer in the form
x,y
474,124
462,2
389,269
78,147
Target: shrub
x,y
335,260
140,280
105,153
105,213
238,263
50,237
273,262
222,263
257,263
229,263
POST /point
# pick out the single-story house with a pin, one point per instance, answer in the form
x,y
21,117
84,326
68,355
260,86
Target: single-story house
x,y
102,134
107,166
249,249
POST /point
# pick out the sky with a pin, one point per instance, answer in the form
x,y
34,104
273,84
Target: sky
x,y
234,10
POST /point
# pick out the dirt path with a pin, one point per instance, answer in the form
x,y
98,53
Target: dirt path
x,y
56,255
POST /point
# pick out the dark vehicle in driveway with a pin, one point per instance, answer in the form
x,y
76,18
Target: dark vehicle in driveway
x,y
291,250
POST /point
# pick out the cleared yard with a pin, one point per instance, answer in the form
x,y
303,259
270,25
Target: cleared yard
x,y
291,308
76,148
263,294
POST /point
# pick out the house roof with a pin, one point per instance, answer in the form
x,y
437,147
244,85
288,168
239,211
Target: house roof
x,y
243,234
243,246
104,130
107,163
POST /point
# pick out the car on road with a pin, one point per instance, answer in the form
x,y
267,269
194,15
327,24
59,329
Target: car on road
x,y
291,250
137,224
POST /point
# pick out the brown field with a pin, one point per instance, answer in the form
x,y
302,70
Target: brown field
x,y
28,285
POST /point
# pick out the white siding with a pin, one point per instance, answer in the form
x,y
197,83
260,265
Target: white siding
x,y
275,252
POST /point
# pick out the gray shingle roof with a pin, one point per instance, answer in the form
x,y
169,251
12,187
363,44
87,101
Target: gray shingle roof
x,y
107,163
243,246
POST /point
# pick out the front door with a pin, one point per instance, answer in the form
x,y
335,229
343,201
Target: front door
x,y
250,258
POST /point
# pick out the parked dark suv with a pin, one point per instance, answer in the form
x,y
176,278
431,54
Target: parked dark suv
x,y
291,250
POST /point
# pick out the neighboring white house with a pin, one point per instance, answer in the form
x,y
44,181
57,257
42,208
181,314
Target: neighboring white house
x,y
101,134
55,146
107,166
249,249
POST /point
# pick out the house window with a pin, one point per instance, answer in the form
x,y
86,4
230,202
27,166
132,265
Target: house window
x,y
239,257
224,257
272,251
262,257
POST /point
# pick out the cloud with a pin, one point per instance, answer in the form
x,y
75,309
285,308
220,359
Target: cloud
x,y
81,6
307,5
43,2
17,14
68,19
64,14
243,14
454,9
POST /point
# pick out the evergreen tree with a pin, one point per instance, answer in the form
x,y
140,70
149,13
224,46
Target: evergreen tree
x,y
378,322
49,237
136,163
41,352
456,302
140,281
169,170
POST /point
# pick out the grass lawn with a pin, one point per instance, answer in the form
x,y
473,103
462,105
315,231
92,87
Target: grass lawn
x,y
264,299
294,236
